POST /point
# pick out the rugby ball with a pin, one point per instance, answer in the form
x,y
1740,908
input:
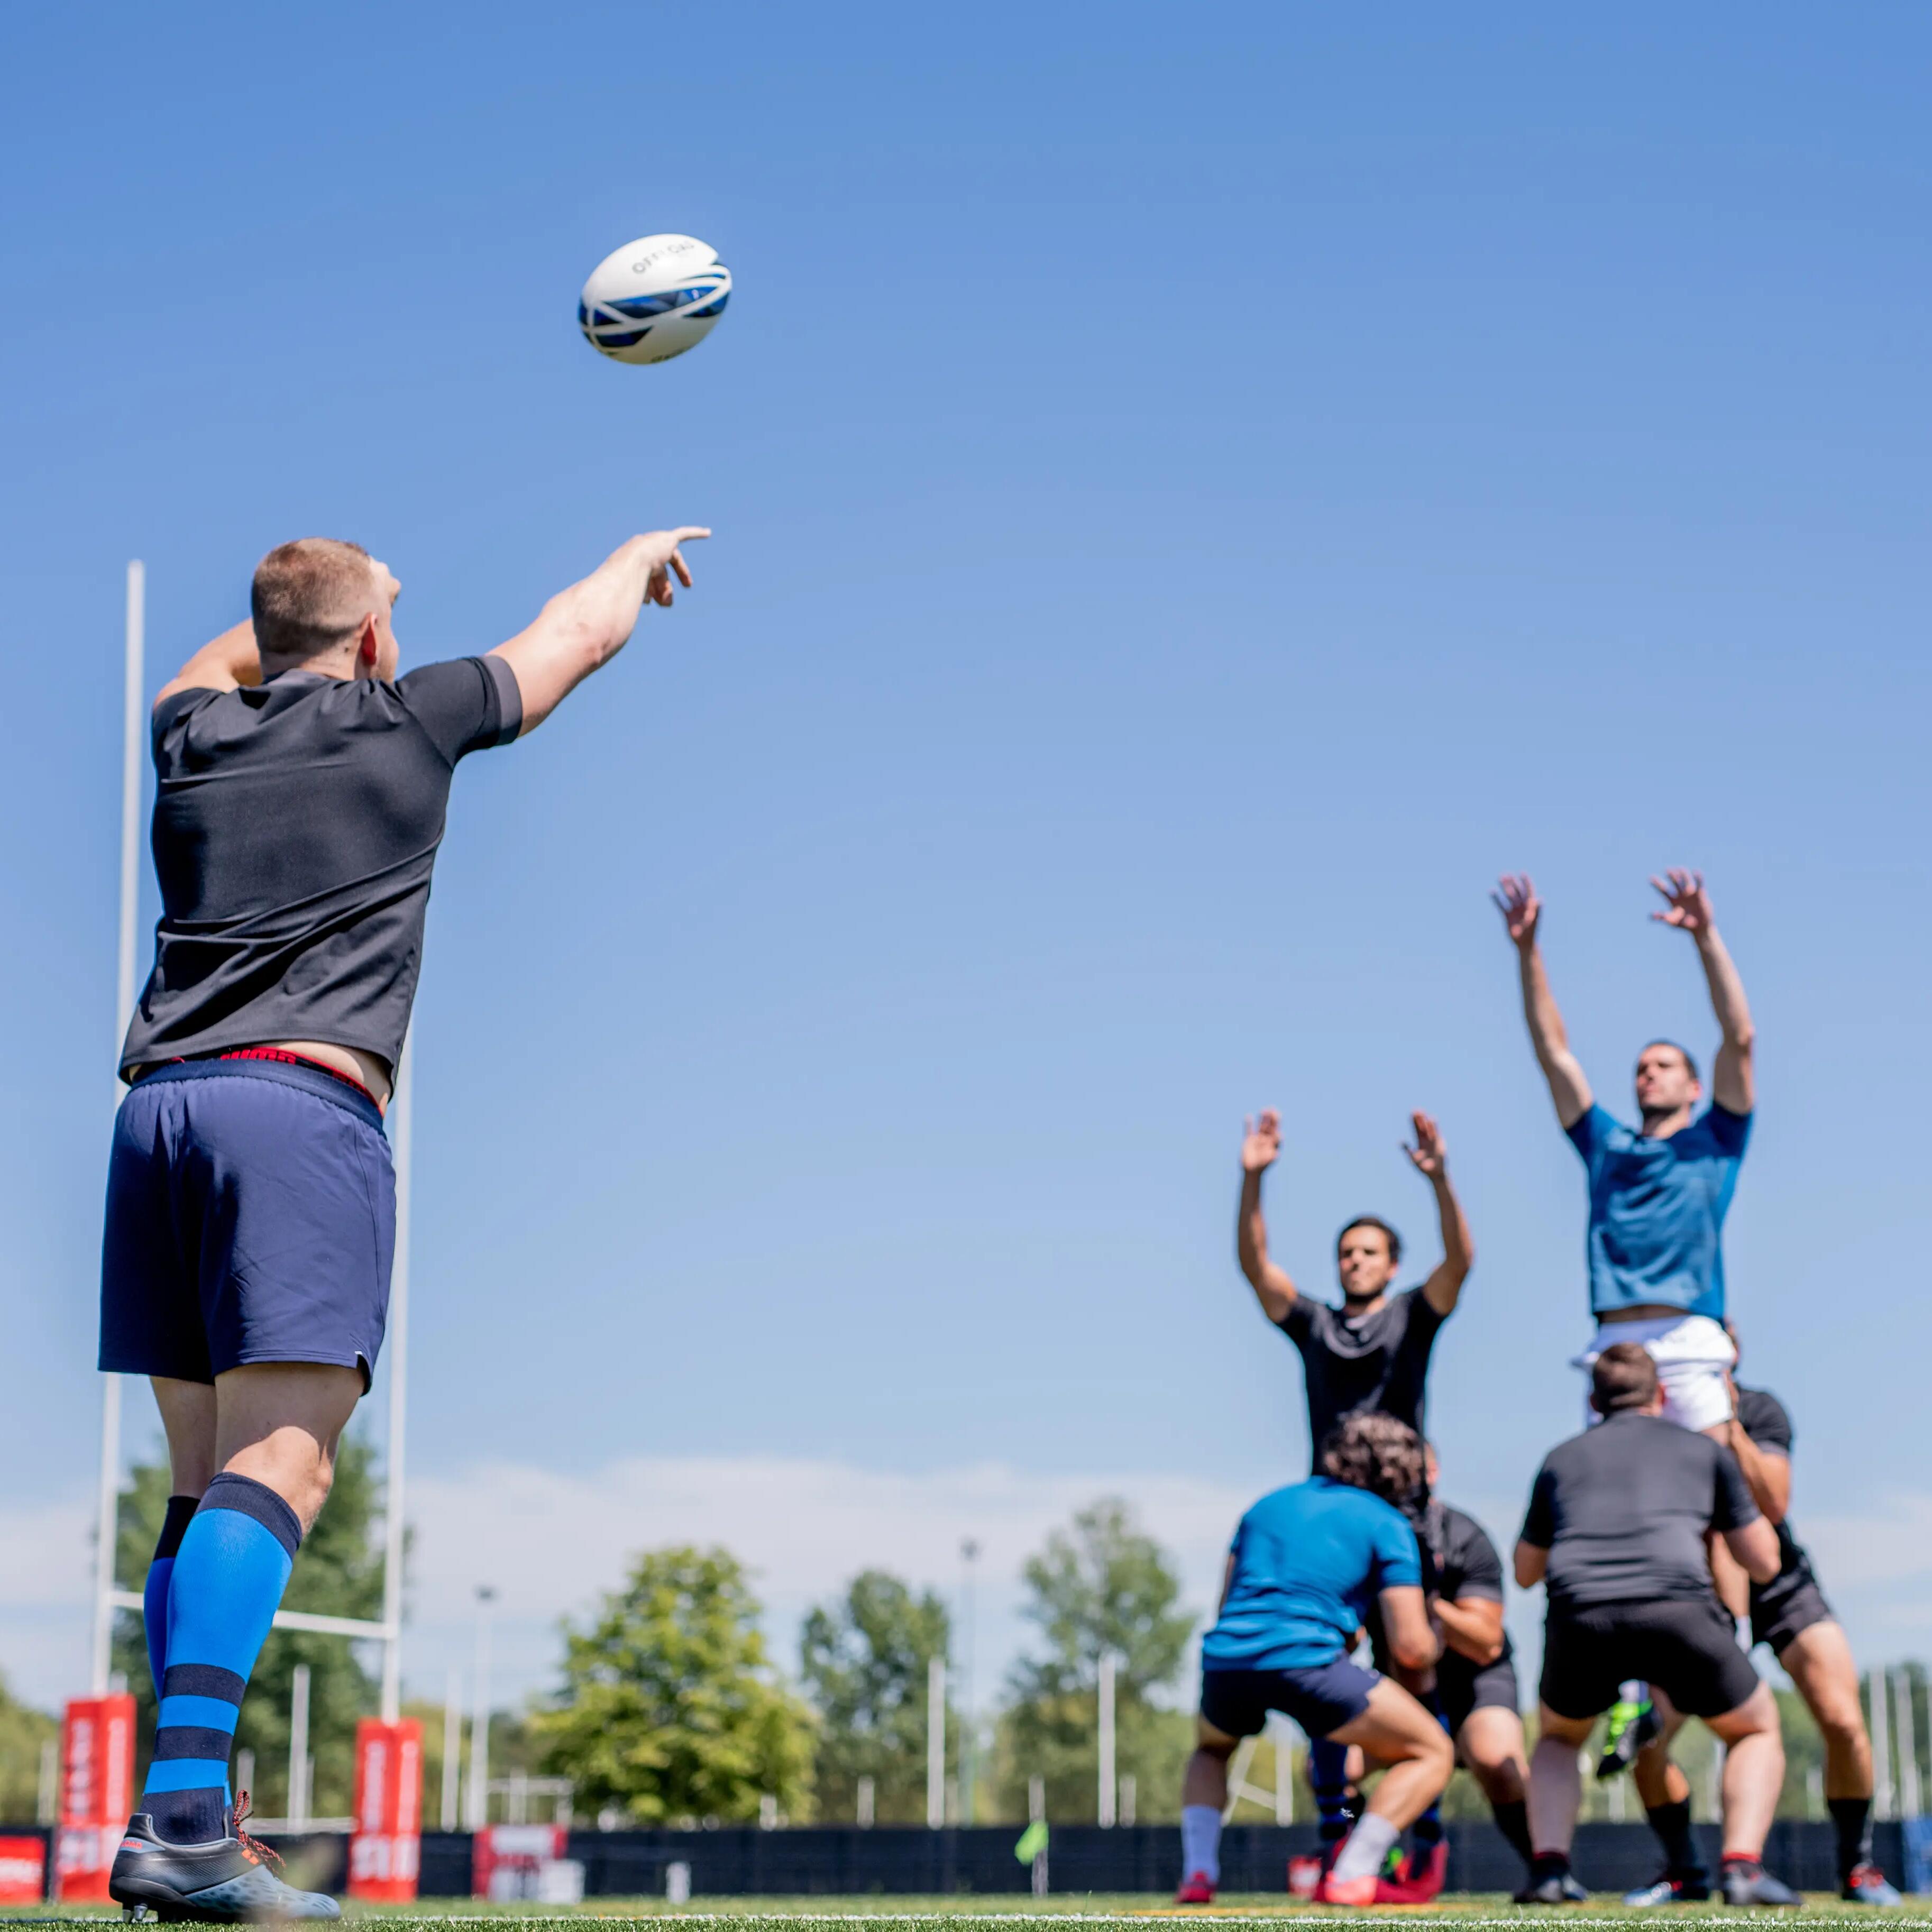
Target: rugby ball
x,y
653,298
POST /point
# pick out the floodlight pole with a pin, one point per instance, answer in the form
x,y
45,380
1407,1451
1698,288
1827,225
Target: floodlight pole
x,y
133,673
398,1339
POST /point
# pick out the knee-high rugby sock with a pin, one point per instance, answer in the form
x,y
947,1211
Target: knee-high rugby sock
x,y
1512,1817
1672,1824
1853,1818
1328,1773
229,1575
1200,1842
154,1591
1427,1831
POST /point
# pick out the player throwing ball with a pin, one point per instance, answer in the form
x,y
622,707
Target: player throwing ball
x,y
251,1221
1307,1563
1658,1192
1372,1353
1616,1531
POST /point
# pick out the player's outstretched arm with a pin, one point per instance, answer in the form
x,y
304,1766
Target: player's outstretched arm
x,y
1522,912
1430,1157
581,629
227,663
1688,906
1260,1142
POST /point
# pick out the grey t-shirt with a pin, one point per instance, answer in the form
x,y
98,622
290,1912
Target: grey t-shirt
x,y
1377,1362
1623,1509
296,825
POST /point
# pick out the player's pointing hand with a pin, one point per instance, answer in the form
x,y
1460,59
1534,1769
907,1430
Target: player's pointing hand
x,y
1515,899
660,549
1260,1142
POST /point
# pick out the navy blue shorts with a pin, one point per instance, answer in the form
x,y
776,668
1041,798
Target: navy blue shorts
x,y
1320,1699
251,1217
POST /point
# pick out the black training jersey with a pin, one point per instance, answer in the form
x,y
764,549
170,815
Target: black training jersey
x,y
1768,1423
1623,1509
296,824
1352,1363
1467,1569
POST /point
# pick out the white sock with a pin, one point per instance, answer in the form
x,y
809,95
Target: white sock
x,y
1364,1849
1201,1841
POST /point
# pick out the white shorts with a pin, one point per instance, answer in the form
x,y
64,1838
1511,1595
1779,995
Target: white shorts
x,y
1691,1351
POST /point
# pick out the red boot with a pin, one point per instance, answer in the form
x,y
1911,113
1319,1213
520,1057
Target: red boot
x,y
1197,1889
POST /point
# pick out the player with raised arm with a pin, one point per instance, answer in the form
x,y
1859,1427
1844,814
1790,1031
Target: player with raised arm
x,y
1307,1563
301,790
1616,1531
1790,1614
1372,1353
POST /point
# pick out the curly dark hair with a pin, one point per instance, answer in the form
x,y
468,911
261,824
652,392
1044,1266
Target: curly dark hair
x,y
1378,1453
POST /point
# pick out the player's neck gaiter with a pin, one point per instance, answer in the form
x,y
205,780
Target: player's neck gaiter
x,y
154,1591
229,1576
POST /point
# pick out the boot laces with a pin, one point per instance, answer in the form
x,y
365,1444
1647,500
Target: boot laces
x,y
261,1853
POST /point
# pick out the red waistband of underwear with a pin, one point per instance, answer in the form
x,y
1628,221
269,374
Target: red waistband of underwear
x,y
301,1060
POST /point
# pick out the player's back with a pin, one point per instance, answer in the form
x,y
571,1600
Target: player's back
x,y
1307,1560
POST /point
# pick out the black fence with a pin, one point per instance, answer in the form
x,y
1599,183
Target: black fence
x,y
742,1861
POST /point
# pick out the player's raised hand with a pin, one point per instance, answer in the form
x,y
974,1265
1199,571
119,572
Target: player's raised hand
x,y
1515,897
1260,1142
1686,905
660,551
1430,1155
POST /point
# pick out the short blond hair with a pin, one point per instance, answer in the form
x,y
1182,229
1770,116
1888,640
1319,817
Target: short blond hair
x,y
311,595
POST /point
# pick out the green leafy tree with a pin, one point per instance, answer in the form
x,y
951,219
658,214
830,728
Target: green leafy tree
x,y
1100,1585
24,1732
338,1572
670,1708
864,1661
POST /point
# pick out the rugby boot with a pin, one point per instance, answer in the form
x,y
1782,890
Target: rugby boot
x,y
1197,1889
224,1882
1632,1726
1551,1882
1669,1890
1366,1890
1419,1880
1868,1885
1745,1881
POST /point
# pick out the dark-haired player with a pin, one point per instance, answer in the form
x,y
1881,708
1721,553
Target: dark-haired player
x,y
1615,1530
1372,1353
1790,1614
1307,1564
301,787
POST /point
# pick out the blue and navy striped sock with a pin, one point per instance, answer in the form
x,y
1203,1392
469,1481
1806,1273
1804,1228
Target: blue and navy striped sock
x,y
229,1576
1328,1772
154,1591
1427,1832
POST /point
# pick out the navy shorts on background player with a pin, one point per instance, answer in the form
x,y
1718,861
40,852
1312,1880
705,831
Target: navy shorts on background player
x,y
251,1217
1321,1698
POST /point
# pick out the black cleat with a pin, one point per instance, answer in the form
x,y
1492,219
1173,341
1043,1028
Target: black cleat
x,y
1750,1884
1552,1888
1631,1726
225,1882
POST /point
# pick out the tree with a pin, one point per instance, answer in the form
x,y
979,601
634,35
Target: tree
x,y
24,1733
864,1659
1100,1585
670,1708
338,1572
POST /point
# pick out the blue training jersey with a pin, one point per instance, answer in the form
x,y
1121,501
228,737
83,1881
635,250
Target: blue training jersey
x,y
1308,1562
1657,1210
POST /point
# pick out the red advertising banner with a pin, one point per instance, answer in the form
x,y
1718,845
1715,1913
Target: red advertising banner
x,y
514,1861
385,1851
23,1871
97,1793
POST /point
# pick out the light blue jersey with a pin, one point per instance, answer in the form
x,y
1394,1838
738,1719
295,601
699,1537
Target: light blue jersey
x,y
1657,1210
1308,1560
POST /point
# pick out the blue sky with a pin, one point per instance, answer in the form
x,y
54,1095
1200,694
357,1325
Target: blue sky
x,y
1194,501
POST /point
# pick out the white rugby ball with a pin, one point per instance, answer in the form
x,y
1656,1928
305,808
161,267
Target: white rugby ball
x,y
653,298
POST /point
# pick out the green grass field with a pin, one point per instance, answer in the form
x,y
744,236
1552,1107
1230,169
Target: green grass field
x,y
965,1915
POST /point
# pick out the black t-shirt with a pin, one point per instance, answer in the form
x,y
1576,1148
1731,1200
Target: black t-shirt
x,y
1467,1569
1768,1423
1378,1361
296,824
1623,1509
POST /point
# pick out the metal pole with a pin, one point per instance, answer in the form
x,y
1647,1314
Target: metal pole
x,y
969,1737
298,1805
452,1748
1881,1746
107,1511
1284,1767
1907,1732
479,1716
398,1338
935,1743
1105,1813
1036,1815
